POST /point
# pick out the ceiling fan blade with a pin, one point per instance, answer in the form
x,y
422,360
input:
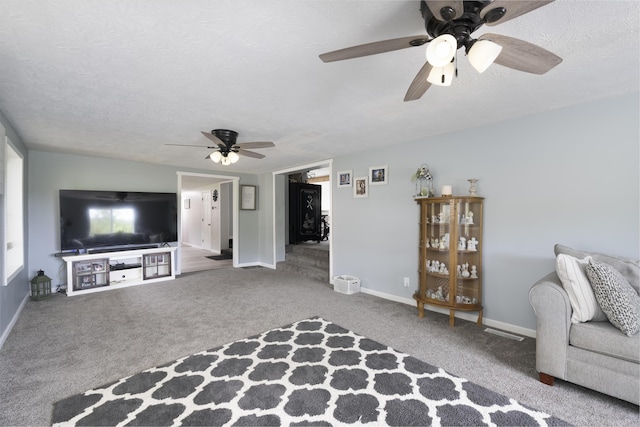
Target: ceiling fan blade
x,y
436,7
374,48
214,138
248,153
260,144
190,145
513,9
523,56
419,85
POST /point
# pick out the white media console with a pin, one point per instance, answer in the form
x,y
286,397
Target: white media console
x,y
104,271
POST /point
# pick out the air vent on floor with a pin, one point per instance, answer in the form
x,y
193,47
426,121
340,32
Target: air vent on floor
x,y
504,334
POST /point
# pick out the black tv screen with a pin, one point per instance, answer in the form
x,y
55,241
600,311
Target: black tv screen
x,y
116,219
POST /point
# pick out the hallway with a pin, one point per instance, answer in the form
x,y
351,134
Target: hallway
x,y
195,259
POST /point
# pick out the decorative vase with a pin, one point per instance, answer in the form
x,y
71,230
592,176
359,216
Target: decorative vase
x,y
424,182
472,186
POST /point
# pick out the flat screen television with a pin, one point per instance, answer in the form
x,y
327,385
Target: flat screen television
x,y
115,220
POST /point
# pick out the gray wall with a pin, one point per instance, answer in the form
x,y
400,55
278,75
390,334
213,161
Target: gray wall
x,y
568,176
50,172
13,295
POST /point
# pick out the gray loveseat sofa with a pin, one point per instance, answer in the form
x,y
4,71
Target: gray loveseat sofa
x,y
593,354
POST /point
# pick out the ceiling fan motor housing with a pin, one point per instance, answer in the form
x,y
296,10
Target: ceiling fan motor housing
x,y
461,27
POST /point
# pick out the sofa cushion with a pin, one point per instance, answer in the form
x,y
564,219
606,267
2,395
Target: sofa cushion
x,y
575,282
630,268
619,301
604,338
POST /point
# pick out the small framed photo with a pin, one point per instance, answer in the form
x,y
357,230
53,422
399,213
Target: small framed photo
x,y
361,187
345,179
379,175
248,197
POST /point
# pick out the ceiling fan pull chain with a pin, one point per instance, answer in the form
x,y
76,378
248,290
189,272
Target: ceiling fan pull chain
x,y
455,58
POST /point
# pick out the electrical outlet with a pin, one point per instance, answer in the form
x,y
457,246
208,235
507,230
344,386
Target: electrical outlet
x,y
407,282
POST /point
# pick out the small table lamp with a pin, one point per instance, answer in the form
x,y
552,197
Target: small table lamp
x,y
40,286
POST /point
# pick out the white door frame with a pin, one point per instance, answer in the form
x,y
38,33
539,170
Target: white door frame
x,y
323,164
234,202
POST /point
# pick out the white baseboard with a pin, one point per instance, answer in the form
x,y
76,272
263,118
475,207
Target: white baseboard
x,y
14,319
459,314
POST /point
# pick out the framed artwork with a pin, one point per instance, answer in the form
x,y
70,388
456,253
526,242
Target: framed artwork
x,y
345,179
379,175
248,197
361,187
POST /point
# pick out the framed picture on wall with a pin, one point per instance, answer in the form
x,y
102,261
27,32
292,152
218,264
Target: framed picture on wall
x,y
345,179
361,187
248,197
379,175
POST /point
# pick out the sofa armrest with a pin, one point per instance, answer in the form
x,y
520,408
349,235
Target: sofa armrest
x,y
551,304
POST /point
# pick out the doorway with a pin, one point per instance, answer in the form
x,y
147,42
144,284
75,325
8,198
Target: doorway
x,y
208,221
280,209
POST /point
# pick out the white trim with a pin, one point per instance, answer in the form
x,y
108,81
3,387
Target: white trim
x,y
459,314
14,268
14,319
325,163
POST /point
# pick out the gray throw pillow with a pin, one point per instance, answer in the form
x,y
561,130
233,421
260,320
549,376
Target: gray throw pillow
x,y
619,301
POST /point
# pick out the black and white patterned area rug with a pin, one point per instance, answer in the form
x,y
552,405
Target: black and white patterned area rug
x,y
310,372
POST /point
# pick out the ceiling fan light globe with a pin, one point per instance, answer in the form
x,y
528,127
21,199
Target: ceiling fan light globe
x,y
216,156
436,74
233,157
441,50
225,161
482,54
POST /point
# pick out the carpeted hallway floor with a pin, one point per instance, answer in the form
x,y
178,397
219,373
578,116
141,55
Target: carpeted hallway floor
x,y
66,345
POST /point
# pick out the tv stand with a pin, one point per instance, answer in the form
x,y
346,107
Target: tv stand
x,y
103,271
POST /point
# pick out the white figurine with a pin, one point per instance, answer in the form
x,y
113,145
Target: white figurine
x,y
465,269
471,244
441,217
474,272
443,269
443,244
462,244
459,270
469,219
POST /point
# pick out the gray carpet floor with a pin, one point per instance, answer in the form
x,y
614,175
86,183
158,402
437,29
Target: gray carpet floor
x,y
66,345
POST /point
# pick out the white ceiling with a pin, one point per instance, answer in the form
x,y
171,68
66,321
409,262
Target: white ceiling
x,y
121,78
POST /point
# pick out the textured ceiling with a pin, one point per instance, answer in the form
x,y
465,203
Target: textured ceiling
x,y
122,78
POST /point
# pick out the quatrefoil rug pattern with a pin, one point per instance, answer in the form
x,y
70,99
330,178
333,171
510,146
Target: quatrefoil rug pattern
x,y
310,372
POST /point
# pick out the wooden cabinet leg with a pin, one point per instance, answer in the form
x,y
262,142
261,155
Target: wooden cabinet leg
x,y
546,378
479,322
452,318
420,310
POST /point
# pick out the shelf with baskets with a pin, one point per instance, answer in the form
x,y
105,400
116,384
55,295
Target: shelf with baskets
x,y
450,254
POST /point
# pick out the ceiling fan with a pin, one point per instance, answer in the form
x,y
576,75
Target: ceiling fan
x,y
449,25
227,149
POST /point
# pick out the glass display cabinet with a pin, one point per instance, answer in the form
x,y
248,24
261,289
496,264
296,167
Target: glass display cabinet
x,y
450,263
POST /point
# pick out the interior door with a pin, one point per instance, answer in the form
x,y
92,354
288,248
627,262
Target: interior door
x,y
206,220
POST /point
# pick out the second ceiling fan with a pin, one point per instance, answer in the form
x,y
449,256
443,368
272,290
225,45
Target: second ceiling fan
x,y
227,150
449,25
